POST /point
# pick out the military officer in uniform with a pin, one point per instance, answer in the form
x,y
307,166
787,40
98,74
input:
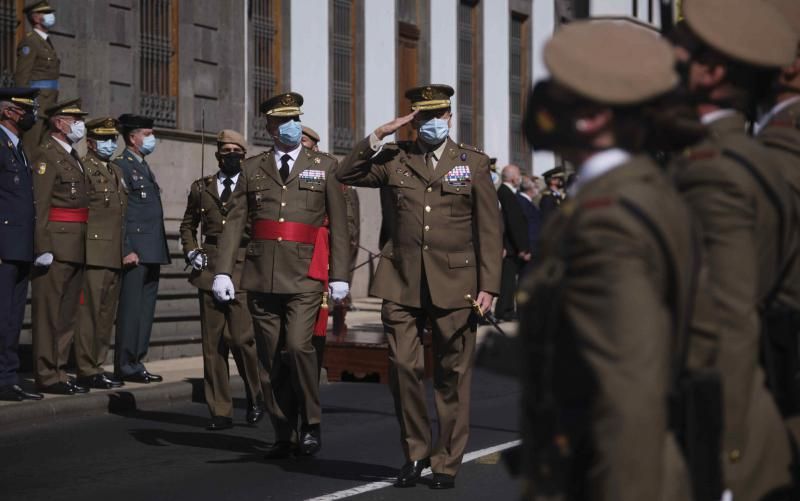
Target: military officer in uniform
x,y
554,194
225,326
101,279
144,251
17,220
738,194
38,65
605,308
60,188
292,201
445,244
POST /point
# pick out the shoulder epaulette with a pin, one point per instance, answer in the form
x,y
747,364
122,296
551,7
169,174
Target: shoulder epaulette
x,y
472,149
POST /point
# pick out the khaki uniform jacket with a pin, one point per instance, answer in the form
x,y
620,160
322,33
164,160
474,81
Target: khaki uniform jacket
x,y
204,207
310,193
59,181
742,244
37,60
108,198
615,335
447,226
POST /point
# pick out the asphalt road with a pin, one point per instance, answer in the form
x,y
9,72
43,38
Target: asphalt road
x,y
166,453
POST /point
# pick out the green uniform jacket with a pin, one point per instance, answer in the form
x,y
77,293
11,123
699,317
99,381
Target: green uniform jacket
x,y
204,207
615,336
741,241
37,60
447,224
310,193
108,198
59,181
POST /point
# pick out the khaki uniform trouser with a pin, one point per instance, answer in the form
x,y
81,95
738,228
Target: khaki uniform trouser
x,y
96,319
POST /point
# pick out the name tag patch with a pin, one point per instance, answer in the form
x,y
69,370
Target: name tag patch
x,y
458,176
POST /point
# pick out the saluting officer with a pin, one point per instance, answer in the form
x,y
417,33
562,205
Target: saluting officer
x,y
290,193
61,190
144,251
445,243
17,221
554,194
224,325
38,65
737,193
101,282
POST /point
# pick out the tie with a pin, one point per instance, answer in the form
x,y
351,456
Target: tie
x,y
226,192
22,154
429,160
74,154
284,170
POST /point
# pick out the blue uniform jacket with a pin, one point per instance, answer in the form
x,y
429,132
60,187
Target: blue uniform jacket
x,y
17,214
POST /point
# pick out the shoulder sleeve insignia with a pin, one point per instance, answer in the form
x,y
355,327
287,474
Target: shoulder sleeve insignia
x,y
41,168
25,50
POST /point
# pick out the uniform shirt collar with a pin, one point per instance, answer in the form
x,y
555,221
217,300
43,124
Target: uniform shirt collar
x,y
41,34
11,136
597,165
715,115
222,177
437,153
294,154
66,146
764,121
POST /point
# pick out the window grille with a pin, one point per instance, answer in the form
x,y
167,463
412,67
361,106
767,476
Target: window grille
x,y
159,42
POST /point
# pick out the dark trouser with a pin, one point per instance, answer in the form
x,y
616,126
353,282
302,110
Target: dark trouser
x,y
285,323
55,298
137,306
96,319
508,287
288,400
14,278
454,334
227,327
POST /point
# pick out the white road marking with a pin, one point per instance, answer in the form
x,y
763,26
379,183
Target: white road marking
x,y
374,486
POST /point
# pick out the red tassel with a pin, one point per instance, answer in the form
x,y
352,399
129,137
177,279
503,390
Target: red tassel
x,y
321,327
318,270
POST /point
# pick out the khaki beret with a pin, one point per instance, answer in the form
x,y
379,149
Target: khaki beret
x,y
226,136
749,31
103,126
310,133
430,97
283,105
71,107
790,10
611,61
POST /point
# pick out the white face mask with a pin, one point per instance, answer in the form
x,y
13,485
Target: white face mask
x,y
49,20
76,131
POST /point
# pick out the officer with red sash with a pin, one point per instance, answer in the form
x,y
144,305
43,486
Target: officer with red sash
x,y
296,263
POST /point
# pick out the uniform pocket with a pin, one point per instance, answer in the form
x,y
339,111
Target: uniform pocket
x,y
305,251
255,249
461,259
314,195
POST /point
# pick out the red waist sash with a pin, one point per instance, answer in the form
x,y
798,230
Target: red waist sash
x,y
267,229
62,215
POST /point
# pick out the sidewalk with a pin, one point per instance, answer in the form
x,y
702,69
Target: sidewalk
x,y
183,380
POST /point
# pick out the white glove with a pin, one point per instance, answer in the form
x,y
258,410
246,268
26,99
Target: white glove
x,y
198,259
339,290
44,259
223,288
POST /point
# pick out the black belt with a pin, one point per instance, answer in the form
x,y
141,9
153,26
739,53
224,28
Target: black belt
x,y
212,240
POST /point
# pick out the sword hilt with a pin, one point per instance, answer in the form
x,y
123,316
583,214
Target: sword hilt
x,y
475,305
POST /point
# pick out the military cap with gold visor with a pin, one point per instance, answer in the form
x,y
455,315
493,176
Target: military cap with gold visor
x,y
41,7
102,127
71,107
21,96
287,104
430,97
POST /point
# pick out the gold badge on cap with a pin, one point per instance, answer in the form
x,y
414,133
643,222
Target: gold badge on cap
x,y
287,100
41,168
427,93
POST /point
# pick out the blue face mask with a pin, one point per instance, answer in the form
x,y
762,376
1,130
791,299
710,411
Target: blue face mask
x,y
106,148
289,133
148,145
434,131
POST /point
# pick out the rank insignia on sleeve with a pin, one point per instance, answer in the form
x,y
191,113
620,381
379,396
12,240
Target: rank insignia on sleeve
x,y
458,176
41,168
317,160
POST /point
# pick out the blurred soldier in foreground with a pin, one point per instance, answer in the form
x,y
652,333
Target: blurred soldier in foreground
x,y
38,66
144,251
445,243
107,200
290,199
605,310
60,188
225,326
18,219
731,50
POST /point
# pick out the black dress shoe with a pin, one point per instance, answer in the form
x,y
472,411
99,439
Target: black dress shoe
x,y
99,381
78,388
61,388
219,423
279,450
115,381
410,473
255,413
137,377
14,393
310,440
154,378
443,481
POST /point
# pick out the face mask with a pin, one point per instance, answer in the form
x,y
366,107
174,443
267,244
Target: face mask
x,y
148,145
547,122
49,20
76,131
231,163
27,121
106,148
290,133
434,131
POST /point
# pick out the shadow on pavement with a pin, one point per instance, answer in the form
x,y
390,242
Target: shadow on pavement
x,y
209,440
320,467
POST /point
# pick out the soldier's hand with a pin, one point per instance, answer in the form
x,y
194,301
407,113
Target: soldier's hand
x,y
44,259
223,288
131,259
395,125
484,301
198,259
